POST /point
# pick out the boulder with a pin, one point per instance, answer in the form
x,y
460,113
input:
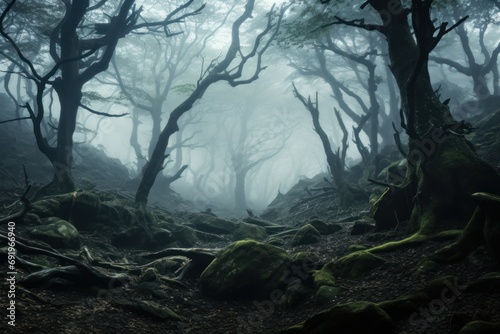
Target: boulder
x,y
295,294
326,294
358,263
58,233
248,231
481,327
353,318
81,208
245,268
306,235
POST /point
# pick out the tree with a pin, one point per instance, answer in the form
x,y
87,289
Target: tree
x,y
444,171
218,70
79,50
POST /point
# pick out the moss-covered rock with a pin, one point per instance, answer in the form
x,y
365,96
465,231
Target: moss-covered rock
x,y
356,264
58,233
211,224
481,327
354,318
306,235
295,294
245,268
402,307
326,294
80,208
248,231
489,283
325,276
184,236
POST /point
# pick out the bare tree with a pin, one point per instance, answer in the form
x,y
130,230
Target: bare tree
x,y
218,70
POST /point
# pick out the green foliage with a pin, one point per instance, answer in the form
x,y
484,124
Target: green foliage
x,y
91,96
184,89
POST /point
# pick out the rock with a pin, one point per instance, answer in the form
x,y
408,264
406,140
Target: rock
x,y
185,236
47,207
489,283
481,327
80,208
326,294
306,261
361,227
356,264
306,235
325,276
325,228
353,318
295,294
150,275
32,219
402,307
247,231
57,233
160,236
208,223
245,268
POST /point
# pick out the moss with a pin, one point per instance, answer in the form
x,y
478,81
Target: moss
x,y
326,294
412,241
355,248
306,235
57,233
245,268
356,264
447,235
325,276
480,327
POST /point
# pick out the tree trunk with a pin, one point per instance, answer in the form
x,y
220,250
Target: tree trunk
x,y
240,202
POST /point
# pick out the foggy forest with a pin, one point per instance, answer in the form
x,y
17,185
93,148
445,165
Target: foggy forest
x,y
293,167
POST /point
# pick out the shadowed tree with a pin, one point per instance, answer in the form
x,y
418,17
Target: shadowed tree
x,y
80,46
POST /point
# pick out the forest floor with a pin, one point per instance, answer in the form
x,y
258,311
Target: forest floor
x,y
72,309
60,307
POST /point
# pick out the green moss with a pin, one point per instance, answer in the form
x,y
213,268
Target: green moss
x,y
447,235
412,241
325,276
326,294
480,327
306,235
355,248
245,268
356,264
425,265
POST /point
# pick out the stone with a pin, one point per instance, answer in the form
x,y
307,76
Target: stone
x,y
356,264
247,231
246,268
81,208
58,233
326,294
306,235
295,294
353,318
